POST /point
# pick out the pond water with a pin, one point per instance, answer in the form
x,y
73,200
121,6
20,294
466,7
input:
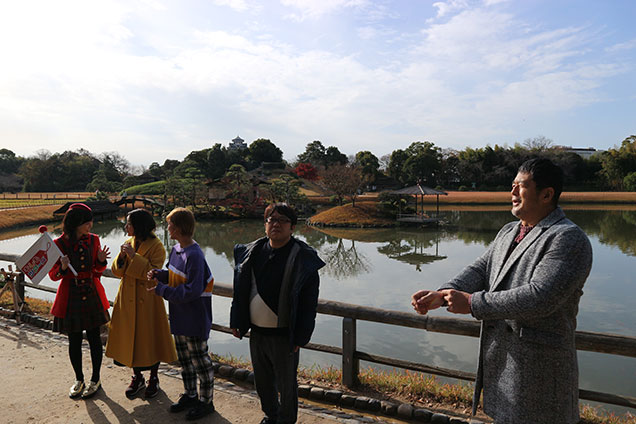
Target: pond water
x,y
383,267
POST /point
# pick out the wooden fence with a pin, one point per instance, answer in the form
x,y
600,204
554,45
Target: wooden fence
x,y
43,195
585,341
24,200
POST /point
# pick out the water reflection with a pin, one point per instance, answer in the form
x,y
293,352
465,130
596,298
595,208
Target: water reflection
x,y
614,228
345,261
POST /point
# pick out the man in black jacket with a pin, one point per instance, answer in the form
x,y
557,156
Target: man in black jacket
x,y
275,295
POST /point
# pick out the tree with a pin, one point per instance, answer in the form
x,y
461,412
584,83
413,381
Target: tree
x,y
101,182
396,165
448,174
155,170
368,164
9,162
68,171
314,153
423,162
195,159
617,163
238,181
420,162
115,165
285,189
217,161
263,150
77,169
196,191
334,157
306,171
174,189
236,156
384,162
539,143
629,182
169,166
343,180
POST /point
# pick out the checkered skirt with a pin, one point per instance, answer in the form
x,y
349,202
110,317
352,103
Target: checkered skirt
x,y
84,310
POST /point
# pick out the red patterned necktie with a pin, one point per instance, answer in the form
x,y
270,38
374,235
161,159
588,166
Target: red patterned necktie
x,y
523,230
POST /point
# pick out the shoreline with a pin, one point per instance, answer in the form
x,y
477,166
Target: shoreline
x,y
17,219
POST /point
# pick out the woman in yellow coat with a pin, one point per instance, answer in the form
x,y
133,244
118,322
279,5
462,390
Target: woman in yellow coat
x,y
139,335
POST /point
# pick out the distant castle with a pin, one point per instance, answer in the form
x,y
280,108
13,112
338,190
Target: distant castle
x,y
238,144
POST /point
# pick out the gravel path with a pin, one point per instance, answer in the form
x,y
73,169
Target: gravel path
x,y
36,376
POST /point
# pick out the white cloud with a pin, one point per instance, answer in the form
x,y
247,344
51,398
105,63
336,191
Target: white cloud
x,y
628,45
450,6
367,32
494,2
238,5
314,9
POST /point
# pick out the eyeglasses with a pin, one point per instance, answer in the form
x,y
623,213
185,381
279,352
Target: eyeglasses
x,y
272,220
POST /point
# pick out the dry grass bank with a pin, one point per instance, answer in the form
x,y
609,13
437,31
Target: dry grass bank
x,y
501,197
364,214
35,215
495,197
37,306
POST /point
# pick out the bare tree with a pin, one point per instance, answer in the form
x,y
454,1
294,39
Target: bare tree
x,y
343,180
539,143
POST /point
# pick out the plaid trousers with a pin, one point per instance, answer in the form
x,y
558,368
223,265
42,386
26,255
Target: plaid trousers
x,y
195,361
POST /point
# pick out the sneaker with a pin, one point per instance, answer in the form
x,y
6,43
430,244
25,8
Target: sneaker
x,y
90,389
268,420
153,387
135,386
199,411
183,403
76,389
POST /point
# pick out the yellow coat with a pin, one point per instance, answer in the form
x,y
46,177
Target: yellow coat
x,y
139,333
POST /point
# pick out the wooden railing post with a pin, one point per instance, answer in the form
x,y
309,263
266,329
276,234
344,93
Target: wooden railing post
x,y
350,365
19,285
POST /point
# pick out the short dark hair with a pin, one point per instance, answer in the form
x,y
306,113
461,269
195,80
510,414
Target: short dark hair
x,y
143,224
283,209
183,219
545,174
73,218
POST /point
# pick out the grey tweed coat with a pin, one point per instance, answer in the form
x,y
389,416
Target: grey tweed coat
x,y
528,305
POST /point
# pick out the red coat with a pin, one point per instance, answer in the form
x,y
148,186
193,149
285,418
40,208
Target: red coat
x,y
95,271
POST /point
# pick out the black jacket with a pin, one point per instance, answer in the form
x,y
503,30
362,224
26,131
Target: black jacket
x,y
304,290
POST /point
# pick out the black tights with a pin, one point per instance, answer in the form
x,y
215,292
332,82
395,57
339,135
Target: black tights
x,y
75,352
153,370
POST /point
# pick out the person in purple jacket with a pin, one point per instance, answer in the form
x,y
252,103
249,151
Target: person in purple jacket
x,y
187,286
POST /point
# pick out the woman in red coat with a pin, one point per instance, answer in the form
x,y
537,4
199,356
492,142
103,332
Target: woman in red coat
x,y
80,303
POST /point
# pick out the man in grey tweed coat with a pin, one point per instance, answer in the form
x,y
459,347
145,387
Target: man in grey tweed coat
x,y
525,289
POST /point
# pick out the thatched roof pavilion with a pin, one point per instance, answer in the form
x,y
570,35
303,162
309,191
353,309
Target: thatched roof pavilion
x,y
99,208
420,190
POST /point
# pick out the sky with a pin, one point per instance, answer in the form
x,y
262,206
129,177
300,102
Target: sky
x,y
157,79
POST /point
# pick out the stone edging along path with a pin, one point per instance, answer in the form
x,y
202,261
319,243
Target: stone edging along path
x,y
374,410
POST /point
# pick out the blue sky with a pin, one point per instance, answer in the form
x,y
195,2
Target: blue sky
x,y
155,79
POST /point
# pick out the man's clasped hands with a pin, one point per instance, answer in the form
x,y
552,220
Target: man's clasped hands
x,y
457,302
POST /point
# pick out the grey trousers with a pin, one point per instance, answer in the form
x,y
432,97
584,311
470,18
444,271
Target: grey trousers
x,y
275,372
